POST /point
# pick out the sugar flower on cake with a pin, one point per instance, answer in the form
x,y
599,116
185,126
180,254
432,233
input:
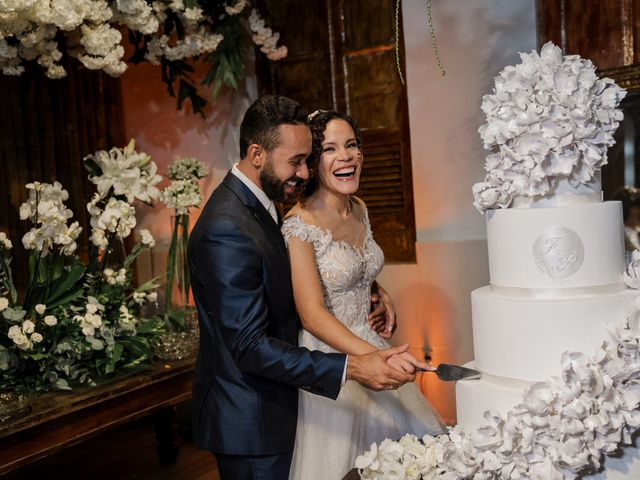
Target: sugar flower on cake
x,y
632,275
549,118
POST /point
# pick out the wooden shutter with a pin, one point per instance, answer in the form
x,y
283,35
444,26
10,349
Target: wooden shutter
x,y
341,56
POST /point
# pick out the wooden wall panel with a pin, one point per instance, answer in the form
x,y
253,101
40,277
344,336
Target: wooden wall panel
x,y
350,66
607,33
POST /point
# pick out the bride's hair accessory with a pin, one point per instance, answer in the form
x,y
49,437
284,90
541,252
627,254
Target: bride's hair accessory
x,y
312,115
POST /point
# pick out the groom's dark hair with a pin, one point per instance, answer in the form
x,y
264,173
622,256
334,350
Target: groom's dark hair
x,y
262,119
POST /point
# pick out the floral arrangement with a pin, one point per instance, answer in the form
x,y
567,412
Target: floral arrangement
x,y
182,193
561,429
409,459
78,321
163,32
549,119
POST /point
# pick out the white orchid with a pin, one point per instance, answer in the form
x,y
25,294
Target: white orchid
x,y
46,210
548,119
146,238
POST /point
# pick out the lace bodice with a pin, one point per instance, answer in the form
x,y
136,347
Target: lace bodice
x,y
346,273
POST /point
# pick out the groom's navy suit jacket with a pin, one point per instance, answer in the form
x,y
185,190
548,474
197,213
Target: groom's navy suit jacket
x,y
245,394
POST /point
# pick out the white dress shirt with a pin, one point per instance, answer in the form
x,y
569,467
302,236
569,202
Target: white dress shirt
x,y
266,202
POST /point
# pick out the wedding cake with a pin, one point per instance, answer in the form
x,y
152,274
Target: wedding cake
x,y
556,265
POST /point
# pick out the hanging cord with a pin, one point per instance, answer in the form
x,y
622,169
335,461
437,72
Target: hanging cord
x,y
398,41
434,43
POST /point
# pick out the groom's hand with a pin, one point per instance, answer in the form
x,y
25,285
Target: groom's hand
x,y
373,371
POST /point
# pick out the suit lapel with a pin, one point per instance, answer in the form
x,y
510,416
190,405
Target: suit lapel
x,y
258,211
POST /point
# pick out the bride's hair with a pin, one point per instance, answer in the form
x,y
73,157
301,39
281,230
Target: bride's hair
x,y
317,122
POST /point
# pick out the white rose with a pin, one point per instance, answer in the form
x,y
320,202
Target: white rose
x,y
41,308
28,326
152,297
5,241
36,337
13,332
50,320
4,303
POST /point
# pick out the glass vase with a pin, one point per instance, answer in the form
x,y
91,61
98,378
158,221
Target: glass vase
x,y
177,284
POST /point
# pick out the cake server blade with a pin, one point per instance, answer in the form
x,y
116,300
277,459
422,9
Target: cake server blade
x,y
452,373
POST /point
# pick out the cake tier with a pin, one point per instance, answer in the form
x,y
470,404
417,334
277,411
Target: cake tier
x,y
474,397
524,338
552,249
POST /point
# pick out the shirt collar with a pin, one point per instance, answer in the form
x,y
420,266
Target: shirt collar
x,y
266,202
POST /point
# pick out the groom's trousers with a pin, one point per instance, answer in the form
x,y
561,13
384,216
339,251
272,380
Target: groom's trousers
x,y
241,467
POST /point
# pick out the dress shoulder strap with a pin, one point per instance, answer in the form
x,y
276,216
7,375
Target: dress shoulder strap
x,y
295,226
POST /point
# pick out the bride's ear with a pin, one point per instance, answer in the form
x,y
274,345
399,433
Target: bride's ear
x,y
256,155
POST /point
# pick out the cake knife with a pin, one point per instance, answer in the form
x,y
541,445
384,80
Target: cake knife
x,y
451,373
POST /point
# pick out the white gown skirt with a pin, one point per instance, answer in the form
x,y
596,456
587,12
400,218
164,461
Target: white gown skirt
x,y
332,433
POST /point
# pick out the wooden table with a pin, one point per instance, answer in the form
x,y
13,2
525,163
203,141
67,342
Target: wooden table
x,y
61,419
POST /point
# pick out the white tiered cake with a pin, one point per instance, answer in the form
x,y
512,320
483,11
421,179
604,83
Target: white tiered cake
x,y
556,280
556,333
556,250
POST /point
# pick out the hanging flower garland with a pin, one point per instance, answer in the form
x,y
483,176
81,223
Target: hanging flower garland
x,y
163,32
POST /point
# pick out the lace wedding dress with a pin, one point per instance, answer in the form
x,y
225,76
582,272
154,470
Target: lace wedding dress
x,y
331,434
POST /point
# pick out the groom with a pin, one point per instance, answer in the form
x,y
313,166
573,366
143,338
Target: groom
x,y
249,368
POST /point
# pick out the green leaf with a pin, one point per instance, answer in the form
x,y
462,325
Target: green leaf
x,y
154,325
136,346
66,298
65,282
14,314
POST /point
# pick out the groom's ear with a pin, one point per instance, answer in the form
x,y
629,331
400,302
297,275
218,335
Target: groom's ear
x,y
256,155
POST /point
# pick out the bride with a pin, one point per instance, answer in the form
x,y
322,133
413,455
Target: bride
x,y
334,262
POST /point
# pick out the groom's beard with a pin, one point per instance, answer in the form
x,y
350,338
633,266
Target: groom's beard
x,y
272,186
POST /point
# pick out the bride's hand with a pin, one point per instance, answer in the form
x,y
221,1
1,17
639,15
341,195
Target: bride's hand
x,y
406,362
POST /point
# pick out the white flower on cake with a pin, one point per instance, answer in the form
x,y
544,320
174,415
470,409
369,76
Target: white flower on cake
x,y
562,426
632,275
549,119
